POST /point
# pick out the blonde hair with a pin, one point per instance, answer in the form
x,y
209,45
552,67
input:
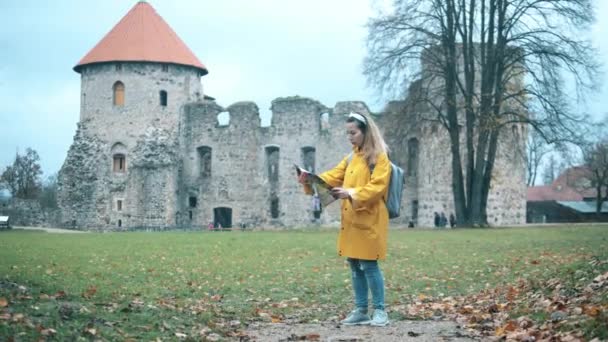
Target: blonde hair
x,y
373,142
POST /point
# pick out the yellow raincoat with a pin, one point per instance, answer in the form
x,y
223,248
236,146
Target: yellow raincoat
x,y
364,224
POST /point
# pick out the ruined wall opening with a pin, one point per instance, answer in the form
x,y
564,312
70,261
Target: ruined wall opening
x,y
120,163
118,89
163,98
118,205
324,122
308,156
192,202
223,119
274,206
272,163
119,223
414,211
119,157
204,157
412,156
222,217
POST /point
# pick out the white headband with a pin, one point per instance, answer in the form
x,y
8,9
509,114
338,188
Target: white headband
x,y
358,116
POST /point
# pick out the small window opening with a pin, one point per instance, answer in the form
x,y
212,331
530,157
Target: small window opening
x,y
190,214
412,156
274,207
120,163
119,205
163,98
192,202
308,158
272,163
119,94
120,223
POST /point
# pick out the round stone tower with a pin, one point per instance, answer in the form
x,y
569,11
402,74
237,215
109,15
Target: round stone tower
x,y
140,73
134,83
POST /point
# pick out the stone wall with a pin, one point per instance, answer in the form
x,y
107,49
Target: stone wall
x,y
183,169
29,213
243,177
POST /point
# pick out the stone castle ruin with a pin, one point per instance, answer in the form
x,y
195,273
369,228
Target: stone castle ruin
x,y
149,151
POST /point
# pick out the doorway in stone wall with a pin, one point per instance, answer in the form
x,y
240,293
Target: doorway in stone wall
x,y
222,216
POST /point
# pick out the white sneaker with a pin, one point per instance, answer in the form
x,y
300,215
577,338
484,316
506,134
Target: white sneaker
x,y
379,319
356,317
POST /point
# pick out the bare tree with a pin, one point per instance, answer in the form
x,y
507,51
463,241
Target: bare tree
x,y
480,65
22,178
595,161
552,169
48,192
536,149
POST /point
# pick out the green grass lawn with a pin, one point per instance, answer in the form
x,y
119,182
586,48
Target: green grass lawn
x,y
148,285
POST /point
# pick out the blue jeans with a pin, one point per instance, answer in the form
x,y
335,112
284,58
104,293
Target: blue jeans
x,y
367,276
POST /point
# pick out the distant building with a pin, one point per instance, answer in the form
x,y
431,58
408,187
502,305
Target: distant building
x,y
570,198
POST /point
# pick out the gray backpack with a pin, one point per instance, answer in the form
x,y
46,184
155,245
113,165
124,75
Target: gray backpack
x,y
395,188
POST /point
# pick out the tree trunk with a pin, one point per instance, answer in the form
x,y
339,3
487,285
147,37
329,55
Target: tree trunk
x,y
451,73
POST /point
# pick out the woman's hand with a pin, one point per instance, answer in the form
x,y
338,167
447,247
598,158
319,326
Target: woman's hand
x,y
340,193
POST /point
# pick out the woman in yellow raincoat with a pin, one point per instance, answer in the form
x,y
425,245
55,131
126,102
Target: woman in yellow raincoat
x,y
361,180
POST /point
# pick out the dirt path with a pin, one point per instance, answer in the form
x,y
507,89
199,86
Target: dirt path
x,y
418,331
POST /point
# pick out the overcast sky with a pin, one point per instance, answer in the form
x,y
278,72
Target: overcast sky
x,y
254,51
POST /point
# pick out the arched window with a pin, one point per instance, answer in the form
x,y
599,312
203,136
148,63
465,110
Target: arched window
x,y
119,157
119,94
163,98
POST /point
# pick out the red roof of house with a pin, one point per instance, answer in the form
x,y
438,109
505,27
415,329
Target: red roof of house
x,y
569,186
141,36
550,193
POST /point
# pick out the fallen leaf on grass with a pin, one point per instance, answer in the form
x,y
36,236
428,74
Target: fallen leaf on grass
x,y
90,331
90,292
60,295
591,310
46,331
509,327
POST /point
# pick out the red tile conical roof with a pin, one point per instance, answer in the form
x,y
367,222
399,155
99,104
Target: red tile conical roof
x,y
141,36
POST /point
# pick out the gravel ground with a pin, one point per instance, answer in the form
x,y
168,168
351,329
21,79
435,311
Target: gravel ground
x,y
418,331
